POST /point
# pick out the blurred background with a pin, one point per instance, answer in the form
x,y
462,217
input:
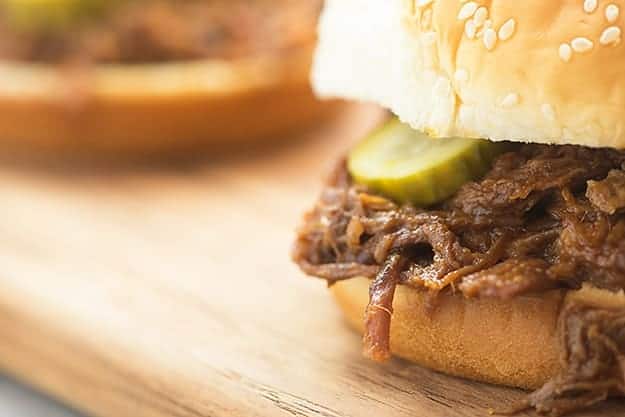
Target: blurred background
x,y
145,147
135,78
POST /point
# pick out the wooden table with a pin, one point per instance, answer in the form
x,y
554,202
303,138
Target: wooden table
x,y
159,291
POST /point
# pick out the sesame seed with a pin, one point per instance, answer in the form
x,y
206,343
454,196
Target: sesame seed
x,y
467,10
461,75
548,112
480,16
469,29
488,24
611,13
610,36
590,6
490,38
581,44
565,51
423,3
510,100
507,29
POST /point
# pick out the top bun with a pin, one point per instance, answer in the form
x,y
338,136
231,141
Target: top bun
x,y
532,70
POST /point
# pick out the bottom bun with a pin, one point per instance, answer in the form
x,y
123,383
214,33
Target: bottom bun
x,y
508,342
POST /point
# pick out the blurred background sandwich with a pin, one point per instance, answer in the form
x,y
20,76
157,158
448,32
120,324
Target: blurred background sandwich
x,y
152,76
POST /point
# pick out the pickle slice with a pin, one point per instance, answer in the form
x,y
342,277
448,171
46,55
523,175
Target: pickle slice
x,y
43,15
412,167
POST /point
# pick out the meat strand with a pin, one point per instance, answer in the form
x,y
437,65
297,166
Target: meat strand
x,y
508,279
608,195
380,309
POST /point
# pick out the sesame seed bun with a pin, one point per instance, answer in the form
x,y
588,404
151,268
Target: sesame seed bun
x,y
534,70
156,108
507,342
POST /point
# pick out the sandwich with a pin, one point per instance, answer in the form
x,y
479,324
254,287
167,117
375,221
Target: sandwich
x,y
153,76
480,231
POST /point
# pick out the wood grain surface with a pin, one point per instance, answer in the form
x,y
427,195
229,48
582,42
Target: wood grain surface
x,y
166,290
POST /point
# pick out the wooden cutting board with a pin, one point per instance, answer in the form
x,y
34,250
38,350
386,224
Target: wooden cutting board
x,y
160,291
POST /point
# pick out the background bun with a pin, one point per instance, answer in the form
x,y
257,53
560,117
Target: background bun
x,y
162,108
532,70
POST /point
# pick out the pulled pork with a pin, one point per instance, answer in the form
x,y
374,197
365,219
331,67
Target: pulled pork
x,y
544,217
593,361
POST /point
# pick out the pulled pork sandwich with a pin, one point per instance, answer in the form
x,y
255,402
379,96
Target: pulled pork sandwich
x,y
499,259
153,75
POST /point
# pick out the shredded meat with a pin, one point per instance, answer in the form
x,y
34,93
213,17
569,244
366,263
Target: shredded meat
x,y
608,195
509,278
380,308
544,217
142,31
593,361
529,216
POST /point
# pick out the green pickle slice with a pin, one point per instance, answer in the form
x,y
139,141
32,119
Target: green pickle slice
x,y
411,167
37,15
